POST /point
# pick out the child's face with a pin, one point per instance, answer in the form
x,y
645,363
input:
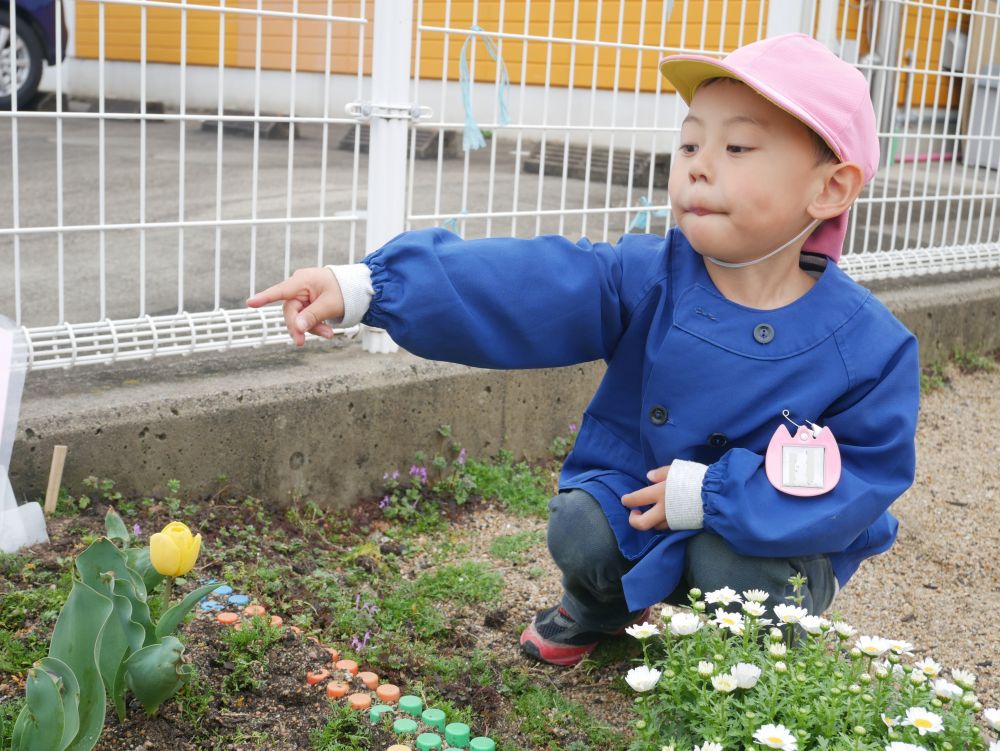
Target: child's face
x,y
744,174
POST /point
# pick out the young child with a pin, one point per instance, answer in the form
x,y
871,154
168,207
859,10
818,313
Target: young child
x,y
735,324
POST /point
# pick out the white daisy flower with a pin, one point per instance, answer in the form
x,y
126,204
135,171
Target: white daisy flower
x,y
705,669
777,650
642,678
873,646
844,630
746,675
708,746
776,736
900,746
947,690
995,746
643,631
992,717
900,647
755,595
724,682
754,609
924,721
725,619
963,678
928,667
723,596
888,721
813,624
685,624
790,614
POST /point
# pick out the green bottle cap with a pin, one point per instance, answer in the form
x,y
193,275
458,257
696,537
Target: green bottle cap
x,y
482,743
376,712
411,705
457,734
404,725
433,718
428,742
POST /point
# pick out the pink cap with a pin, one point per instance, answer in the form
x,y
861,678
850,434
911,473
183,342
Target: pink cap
x,y
804,78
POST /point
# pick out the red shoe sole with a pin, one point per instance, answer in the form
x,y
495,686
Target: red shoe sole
x,y
550,652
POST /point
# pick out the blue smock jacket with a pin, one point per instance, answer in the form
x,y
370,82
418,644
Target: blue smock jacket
x,y
686,379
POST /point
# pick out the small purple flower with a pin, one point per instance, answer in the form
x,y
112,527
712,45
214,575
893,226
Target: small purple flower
x,y
418,472
461,457
384,502
395,474
572,427
137,530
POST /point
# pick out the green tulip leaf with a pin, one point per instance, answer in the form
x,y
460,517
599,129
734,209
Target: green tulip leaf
x,y
115,527
75,642
39,726
138,561
172,618
121,636
70,693
140,616
154,673
97,560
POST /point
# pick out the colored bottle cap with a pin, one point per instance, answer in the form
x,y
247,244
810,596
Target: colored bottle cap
x,y
337,689
434,718
349,665
369,679
211,605
277,621
222,591
388,693
227,618
482,743
404,725
398,747
254,610
428,742
375,715
411,705
239,599
457,734
359,701
312,678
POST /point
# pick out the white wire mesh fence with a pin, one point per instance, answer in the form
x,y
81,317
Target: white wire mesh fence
x,y
194,153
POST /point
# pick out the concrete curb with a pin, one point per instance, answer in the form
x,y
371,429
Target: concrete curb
x,y
325,422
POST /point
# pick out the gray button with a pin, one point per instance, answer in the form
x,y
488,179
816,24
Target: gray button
x,y
763,333
717,440
658,414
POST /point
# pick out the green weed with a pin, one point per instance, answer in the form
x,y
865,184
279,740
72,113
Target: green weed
x,y
9,710
246,650
513,547
346,730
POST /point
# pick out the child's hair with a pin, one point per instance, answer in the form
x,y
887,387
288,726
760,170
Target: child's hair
x,y
823,151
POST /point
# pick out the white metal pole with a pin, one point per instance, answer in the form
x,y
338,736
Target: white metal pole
x,y
386,216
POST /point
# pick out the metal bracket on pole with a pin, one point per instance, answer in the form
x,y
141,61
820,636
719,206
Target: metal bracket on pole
x,y
364,111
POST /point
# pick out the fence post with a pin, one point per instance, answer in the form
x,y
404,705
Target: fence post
x,y
393,36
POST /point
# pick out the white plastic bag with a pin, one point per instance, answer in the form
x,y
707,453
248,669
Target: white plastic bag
x,y
20,526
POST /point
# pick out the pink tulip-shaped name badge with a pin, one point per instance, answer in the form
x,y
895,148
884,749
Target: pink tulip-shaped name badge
x,y
806,464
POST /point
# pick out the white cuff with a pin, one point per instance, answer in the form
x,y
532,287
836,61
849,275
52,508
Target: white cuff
x,y
355,280
683,502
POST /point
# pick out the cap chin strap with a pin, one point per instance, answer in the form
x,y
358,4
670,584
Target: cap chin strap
x,y
744,264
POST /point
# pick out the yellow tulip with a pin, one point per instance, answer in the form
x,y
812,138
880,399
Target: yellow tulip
x,y
174,550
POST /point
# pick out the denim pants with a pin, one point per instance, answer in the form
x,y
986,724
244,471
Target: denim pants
x,y
585,550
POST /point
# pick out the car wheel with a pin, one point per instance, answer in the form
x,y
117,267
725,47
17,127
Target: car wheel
x,y
29,61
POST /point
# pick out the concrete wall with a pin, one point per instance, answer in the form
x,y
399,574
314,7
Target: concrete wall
x,y
325,422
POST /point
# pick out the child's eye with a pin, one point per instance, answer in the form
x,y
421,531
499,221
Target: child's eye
x,y
739,149
688,148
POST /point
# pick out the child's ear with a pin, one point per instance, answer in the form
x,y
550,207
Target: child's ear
x,y
841,186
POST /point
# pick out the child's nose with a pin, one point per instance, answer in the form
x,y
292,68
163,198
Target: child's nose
x,y
699,168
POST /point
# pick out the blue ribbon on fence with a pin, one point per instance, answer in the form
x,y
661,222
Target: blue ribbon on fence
x,y
452,224
472,138
641,220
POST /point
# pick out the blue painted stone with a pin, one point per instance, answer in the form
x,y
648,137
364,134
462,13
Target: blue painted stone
x,y
211,605
222,591
239,600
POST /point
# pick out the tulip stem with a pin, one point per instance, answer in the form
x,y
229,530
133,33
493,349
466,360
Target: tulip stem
x,y
168,589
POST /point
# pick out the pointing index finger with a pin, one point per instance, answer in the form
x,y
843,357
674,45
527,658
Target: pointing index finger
x,y
281,291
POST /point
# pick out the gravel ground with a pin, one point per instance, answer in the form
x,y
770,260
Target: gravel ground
x,y
936,588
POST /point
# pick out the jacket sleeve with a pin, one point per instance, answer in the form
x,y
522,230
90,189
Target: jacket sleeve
x,y
500,302
874,424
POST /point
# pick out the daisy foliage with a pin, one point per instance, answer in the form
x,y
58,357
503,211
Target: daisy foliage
x,y
723,680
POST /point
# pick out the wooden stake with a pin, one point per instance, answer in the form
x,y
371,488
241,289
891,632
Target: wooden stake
x,y
55,478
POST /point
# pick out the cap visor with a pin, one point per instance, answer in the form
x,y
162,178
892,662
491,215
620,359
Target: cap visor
x,y
688,72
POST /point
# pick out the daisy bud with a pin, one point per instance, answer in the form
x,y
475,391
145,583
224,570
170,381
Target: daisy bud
x,y
977,707
893,658
865,678
776,635
867,698
935,702
780,667
881,673
969,700
836,691
777,650
917,678
855,653
640,724
705,669
854,688
859,730
699,606
694,593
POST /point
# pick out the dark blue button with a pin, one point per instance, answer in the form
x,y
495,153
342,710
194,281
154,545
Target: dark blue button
x,y
763,333
717,440
658,414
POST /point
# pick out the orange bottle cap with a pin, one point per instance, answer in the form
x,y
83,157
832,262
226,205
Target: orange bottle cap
x,y
227,619
360,701
337,689
277,621
388,693
349,665
369,679
317,677
334,654
252,610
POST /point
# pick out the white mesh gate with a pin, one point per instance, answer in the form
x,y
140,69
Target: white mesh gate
x,y
204,151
